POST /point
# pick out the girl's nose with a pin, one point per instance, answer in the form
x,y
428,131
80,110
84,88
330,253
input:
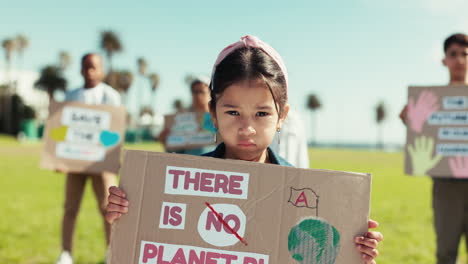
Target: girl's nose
x,y
246,128
247,131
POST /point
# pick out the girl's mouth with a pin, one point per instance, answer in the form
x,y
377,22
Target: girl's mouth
x,y
246,143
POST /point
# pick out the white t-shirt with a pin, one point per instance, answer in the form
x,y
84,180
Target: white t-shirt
x,y
101,94
293,145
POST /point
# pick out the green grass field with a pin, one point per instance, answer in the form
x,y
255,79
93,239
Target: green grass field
x,y
31,206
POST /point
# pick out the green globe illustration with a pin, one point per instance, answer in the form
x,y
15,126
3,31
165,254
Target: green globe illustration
x,y
314,241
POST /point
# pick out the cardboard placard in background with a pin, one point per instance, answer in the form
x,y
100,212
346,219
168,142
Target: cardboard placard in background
x,y
189,130
189,209
437,131
83,138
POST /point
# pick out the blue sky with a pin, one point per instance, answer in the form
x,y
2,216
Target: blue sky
x,y
352,54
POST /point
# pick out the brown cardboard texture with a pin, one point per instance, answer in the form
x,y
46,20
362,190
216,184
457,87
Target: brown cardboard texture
x,y
189,130
203,210
83,138
437,131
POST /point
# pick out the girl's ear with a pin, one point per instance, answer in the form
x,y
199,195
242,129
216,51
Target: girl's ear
x,y
283,116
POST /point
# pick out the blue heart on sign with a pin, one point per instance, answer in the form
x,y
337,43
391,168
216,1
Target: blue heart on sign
x,y
109,139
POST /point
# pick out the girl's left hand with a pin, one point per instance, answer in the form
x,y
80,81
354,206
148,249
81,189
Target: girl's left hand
x,y
367,244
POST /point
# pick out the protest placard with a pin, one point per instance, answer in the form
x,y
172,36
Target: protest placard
x,y
189,130
203,210
437,131
83,138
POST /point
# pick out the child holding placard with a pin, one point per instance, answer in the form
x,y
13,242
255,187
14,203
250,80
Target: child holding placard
x,y
200,91
248,106
449,195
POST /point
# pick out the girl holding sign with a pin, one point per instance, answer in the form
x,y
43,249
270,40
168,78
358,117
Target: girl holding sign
x,y
248,106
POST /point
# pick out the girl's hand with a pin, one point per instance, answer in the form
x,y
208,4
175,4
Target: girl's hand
x,y
368,243
117,204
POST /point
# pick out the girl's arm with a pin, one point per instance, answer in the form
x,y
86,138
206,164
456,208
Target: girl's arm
x,y
117,204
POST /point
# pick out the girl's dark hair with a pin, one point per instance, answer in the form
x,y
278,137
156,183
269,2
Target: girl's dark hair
x,y
249,64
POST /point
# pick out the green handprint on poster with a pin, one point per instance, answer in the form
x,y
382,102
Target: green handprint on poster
x,y
421,155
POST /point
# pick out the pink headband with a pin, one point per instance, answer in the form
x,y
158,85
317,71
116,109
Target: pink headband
x,y
253,42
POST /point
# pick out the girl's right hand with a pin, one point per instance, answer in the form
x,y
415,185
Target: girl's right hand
x,y
117,204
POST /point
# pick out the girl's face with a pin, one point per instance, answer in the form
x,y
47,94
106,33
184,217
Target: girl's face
x,y
247,120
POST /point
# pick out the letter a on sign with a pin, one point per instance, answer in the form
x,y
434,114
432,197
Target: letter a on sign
x,y
304,198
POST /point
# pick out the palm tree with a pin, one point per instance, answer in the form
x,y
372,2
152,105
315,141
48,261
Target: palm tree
x,y
313,104
380,115
154,79
9,46
64,60
111,44
51,80
142,66
22,43
120,81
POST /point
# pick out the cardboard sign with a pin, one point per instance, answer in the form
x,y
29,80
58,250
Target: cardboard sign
x,y
203,210
83,138
189,130
437,131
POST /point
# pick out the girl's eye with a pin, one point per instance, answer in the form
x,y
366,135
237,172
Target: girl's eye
x,y
234,113
262,114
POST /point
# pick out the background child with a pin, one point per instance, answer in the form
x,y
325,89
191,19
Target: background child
x,y
200,101
93,92
450,195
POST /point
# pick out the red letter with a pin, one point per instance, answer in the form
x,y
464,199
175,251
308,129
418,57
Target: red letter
x,y
249,260
206,182
236,226
160,256
221,182
179,257
166,215
234,184
150,251
195,181
176,174
302,199
228,258
195,259
211,258
211,219
176,217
